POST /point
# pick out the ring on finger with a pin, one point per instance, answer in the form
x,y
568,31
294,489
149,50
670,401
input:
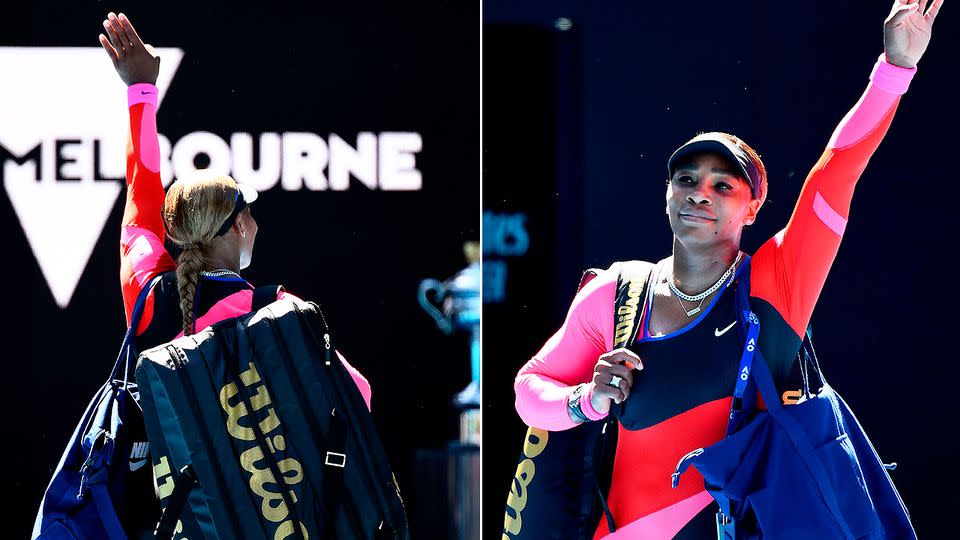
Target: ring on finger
x,y
615,381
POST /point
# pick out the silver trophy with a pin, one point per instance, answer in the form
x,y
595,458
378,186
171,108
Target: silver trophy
x,y
455,305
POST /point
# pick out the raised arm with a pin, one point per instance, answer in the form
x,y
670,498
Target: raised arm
x,y
142,254
789,270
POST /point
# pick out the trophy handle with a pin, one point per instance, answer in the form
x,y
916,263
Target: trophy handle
x,y
432,285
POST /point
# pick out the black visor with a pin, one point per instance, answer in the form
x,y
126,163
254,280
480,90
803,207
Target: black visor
x,y
238,206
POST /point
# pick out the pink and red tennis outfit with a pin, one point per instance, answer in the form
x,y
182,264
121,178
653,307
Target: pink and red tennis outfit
x,y
143,256
687,382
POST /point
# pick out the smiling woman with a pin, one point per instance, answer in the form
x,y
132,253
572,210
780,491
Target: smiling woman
x,y
671,387
715,178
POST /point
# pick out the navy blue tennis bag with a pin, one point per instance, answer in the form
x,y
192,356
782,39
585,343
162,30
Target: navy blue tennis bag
x,y
103,488
258,431
802,471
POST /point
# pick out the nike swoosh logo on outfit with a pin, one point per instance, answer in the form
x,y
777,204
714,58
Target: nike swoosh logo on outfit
x,y
718,332
134,465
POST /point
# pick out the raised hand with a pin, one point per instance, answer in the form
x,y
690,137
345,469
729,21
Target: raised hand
x,y
907,30
134,61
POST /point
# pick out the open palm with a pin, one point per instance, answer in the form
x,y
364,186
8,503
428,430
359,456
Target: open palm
x,y
134,61
907,30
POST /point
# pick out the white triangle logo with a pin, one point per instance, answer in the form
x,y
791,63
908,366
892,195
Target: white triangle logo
x,y
63,223
49,132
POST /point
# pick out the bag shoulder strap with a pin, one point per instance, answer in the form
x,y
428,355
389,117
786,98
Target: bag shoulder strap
x,y
265,295
185,482
761,376
128,351
630,301
142,299
633,280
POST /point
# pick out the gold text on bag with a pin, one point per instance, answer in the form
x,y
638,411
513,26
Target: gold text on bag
x,y
273,507
163,482
533,445
627,313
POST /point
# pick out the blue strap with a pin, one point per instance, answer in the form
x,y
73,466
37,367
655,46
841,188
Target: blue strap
x,y
764,381
749,349
744,394
797,433
127,349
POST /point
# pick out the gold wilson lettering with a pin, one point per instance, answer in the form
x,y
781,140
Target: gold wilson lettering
x,y
259,401
164,480
273,507
627,313
164,485
534,444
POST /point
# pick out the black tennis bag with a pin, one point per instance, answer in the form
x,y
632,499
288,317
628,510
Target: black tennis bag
x,y
558,490
258,431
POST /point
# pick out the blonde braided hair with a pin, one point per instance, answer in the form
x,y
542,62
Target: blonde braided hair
x,y
193,211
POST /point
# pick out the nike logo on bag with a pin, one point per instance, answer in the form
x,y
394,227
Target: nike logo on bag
x,y
145,93
718,332
139,454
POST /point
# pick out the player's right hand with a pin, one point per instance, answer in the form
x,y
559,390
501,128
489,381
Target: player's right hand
x,y
134,61
617,363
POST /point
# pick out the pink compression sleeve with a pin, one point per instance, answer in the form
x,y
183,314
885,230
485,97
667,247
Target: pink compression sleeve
x,y
568,357
887,83
790,269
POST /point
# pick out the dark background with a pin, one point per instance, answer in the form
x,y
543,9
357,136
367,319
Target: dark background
x,y
321,67
578,125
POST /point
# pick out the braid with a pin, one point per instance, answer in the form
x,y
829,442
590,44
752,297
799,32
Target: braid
x,y
189,266
193,211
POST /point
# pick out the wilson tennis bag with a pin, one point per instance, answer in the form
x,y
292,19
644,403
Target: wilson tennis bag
x,y
558,490
258,431
102,487
801,471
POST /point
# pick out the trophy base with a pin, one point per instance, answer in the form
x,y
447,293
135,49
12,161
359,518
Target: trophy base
x,y
469,397
470,426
